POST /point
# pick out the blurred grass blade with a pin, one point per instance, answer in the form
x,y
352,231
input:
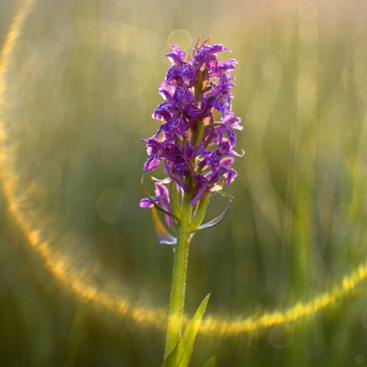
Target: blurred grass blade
x,y
164,237
180,357
76,334
211,362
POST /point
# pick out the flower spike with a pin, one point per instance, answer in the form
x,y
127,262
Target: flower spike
x,y
196,139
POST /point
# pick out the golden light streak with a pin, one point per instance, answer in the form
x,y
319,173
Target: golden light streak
x,y
72,278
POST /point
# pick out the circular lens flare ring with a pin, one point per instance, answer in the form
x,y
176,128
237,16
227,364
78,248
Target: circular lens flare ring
x,y
72,278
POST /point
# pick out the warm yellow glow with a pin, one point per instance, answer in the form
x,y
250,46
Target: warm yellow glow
x,y
113,297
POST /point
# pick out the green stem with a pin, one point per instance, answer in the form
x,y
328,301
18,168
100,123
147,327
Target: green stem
x,y
179,272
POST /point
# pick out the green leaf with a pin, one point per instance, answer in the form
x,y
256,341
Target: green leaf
x,y
164,237
200,212
198,133
175,200
212,362
180,356
216,220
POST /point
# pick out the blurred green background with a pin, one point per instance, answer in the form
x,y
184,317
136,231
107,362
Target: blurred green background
x,y
82,86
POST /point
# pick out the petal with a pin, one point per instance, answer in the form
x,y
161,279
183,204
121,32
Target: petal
x,y
163,200
200,193
146,203
177,56
192,109
168,219
213,161
223,148
227,162
198,149
232,137
152,163
163,112
161,190
203,186
232,174
166,94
